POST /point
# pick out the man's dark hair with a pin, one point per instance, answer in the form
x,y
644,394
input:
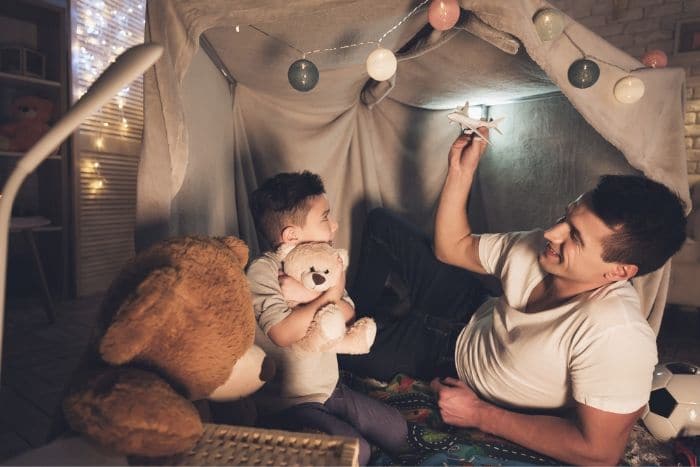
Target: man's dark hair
x,y
647,217
283,200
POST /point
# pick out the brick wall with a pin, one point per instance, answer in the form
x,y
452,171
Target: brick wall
x,y
637,26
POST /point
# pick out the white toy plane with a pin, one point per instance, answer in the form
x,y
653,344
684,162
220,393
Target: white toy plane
x,y
469,124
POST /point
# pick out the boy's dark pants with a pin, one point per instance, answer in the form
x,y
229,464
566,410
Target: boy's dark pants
x,y
420,343
349,413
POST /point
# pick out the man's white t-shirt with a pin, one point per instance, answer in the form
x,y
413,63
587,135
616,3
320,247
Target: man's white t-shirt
x,y
596,349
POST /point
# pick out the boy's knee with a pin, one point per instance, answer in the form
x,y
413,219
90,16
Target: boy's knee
x,y
365,451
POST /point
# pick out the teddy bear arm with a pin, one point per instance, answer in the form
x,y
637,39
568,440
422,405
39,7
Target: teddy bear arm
x,y
133,412
358,339
327,327
137,321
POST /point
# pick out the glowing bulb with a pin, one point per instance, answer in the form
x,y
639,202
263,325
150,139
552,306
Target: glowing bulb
x,y
549,24
238,28
629,90
99,144
381,64
475,111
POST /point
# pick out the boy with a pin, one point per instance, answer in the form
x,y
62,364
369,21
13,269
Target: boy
x,y
291,208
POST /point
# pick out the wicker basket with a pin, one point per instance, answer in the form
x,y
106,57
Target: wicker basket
x,y
241,445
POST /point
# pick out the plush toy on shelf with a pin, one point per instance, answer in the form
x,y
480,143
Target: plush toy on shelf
x,y
30,120
316,266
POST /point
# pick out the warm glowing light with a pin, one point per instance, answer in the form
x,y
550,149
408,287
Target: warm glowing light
x,y
475,111
103,30
99,144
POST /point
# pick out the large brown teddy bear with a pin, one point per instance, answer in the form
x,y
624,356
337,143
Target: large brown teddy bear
x,y
176,326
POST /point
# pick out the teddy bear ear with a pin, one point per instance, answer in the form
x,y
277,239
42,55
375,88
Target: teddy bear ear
x,y
238,246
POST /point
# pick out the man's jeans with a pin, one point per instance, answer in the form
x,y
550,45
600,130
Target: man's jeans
x,y
420,343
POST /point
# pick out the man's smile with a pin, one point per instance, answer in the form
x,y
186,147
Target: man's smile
x,y
549,251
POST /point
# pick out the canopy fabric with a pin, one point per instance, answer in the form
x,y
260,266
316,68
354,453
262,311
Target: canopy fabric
x,y
385,144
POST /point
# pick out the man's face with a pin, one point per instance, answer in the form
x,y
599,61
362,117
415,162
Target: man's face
x,y
319,225
574,247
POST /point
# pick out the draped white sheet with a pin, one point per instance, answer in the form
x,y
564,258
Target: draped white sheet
x,y
385,144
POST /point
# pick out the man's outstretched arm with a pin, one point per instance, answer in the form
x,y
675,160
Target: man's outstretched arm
x,y
454,242
595,437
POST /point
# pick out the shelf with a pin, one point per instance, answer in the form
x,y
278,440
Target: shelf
x,y
21,79
21,154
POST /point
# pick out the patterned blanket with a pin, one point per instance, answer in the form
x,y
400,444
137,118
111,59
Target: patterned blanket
x,y
435,443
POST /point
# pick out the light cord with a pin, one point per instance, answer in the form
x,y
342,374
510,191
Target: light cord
x,y
346,46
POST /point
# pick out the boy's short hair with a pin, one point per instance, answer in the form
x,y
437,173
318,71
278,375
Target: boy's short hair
x,y
283,200
647,217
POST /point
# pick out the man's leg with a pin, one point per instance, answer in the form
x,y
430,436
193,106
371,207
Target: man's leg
x,y
392,245
442,299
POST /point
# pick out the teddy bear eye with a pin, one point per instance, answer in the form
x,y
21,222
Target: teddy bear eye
x,y
326,271
312,269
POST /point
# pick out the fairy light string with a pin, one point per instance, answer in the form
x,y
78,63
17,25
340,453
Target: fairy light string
x,y
345,46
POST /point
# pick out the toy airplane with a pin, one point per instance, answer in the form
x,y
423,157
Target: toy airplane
x,y
468,124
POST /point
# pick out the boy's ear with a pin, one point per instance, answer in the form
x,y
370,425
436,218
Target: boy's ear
x,y
621,272
290,234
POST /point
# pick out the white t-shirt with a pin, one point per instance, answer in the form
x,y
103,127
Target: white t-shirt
x,y
300,376
596,349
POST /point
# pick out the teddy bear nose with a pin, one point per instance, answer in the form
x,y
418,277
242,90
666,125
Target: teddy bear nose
x,y
318,279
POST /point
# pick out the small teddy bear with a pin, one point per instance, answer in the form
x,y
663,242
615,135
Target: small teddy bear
x,y
316,266
30,115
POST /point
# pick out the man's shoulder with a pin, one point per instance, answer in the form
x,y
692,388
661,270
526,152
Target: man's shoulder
x,y
615,307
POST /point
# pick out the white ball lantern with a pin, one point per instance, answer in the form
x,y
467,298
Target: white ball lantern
x,y
629,90
549,24
381,64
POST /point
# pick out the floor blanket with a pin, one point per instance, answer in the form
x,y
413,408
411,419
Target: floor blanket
x,y
435,443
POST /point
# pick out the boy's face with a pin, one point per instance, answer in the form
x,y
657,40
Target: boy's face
x,y
319,225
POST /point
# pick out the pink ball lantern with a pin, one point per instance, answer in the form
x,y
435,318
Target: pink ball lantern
x,y
655,59
443,14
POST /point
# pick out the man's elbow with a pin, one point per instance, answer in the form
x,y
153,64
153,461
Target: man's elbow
x,y
600,456
442,253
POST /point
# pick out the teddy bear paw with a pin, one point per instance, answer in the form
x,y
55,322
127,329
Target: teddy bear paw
x,y
359,338
331,322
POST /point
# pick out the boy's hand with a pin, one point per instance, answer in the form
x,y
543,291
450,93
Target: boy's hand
x,y
294,291
335,293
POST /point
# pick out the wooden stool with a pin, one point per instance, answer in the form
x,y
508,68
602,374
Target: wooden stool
x,y
26,226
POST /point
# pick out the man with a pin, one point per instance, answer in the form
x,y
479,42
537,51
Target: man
x,y
566,335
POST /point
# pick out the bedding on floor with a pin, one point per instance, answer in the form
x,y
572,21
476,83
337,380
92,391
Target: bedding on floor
x,y
434,443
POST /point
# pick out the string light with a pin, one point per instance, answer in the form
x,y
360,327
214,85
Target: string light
x,y
584,72
96,26
91,170
101,33
383,61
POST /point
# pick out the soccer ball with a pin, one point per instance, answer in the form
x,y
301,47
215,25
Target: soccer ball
x,y
674,402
